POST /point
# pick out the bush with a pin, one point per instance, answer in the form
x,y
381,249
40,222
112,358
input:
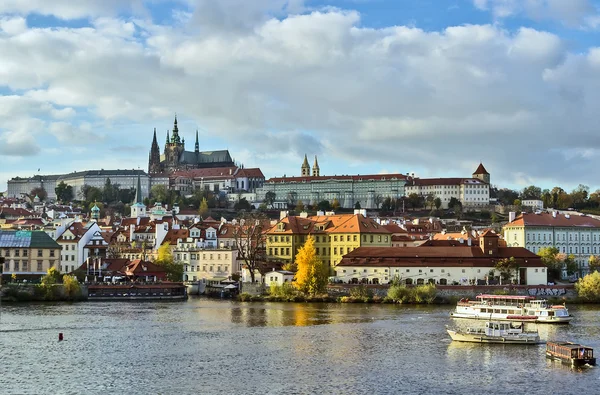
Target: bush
x,y
286,290
588,288
400,294
425,293
72,287
419,294
245,297
361,292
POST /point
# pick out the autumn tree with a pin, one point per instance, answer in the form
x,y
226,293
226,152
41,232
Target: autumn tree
x,y
311,277
71,287
335,204
588,287
594,263
300,206
173,270
250,241
203,210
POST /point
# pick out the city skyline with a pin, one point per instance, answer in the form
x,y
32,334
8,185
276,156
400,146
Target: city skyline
x,y
369,87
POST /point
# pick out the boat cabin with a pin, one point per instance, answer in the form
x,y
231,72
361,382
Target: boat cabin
x,y
571,353
494,328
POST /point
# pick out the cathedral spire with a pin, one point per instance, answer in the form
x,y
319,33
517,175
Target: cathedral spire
x,y
176,131
315,171
197,146
154,160
168,138
138,191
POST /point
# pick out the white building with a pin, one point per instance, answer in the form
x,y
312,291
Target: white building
x,y
470,192
278,277
570,234
534,204
73,241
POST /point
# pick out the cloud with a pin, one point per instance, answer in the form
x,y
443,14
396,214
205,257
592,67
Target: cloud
x,y
283,84
18,143
69,9
574,13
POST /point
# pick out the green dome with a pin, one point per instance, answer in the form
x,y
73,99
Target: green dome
x,y
95,209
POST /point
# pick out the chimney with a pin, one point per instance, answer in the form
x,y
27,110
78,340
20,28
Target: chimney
x,y
553,214
511,216
469,242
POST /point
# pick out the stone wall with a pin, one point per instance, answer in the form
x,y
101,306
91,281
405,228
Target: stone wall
x,y
253,288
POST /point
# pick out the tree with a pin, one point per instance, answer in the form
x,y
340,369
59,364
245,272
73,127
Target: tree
x,y
242,204
335,204
90,194
531,192
357,205
269,199
570,265
588,287
414,200
429,199
517,202
324,205
453,203
173,270
40,192
110,192
71,287
506,267
64,192
159,193
250,241
292,199
203,210
594,263
300,206
378,200
551,258
438,203
311,277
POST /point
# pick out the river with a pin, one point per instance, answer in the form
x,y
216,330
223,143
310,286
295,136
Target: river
x,y
204,346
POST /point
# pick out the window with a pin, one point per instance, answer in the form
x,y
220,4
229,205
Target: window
x,y
463,270
17,252
25,252
25,266
39,266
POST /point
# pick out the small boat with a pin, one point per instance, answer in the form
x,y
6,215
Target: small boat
x,y
570,353
511,308
496,332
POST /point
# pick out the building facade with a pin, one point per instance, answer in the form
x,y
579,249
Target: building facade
x,y
28,252
571,234
470,192
442,265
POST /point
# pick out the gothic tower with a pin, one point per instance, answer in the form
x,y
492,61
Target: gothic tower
x,y
154,160
315,171
173,149
305,169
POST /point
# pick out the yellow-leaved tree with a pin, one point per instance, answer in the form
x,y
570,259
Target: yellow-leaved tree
x,y
588,287
311,277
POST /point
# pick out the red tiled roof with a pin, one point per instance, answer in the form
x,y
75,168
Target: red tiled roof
x,y
443,181
252,172
561,220
359,177
481,170
175,234
340,223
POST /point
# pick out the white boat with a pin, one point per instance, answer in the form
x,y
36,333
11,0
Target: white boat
x,y
511,308
496,332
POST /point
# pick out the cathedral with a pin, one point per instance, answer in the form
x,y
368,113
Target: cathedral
x,y
175,157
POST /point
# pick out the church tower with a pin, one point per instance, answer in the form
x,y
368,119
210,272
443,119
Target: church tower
x,y
482,174
315,171
139,208
154,160
173,149
305,169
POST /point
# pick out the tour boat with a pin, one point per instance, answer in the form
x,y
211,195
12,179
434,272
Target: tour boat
x,y
496,332
570,353
511,308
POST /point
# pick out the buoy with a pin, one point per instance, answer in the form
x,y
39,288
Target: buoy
x,y
60,337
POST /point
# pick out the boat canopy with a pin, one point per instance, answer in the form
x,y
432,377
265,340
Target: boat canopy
x,y
505,297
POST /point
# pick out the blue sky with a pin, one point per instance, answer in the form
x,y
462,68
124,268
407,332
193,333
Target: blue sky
x,y
370,86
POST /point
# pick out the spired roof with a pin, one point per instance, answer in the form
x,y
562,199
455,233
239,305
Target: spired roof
x,y
481,169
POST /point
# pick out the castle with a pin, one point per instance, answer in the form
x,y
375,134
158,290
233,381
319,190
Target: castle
x,y
175,157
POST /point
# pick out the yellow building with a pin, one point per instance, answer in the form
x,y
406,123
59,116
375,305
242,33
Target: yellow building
x,y
335,235
28,252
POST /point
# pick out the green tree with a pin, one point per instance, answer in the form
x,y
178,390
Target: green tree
x,y
570,264
437,202
324,205
415,201
64,192
551,258
429,201
588,288
507,268
517,202
357,205
159,193
378,200
242,204
311,277
531,192
300,206
494,218
269,199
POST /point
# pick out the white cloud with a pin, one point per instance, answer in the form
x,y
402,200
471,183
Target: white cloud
x,y
316,83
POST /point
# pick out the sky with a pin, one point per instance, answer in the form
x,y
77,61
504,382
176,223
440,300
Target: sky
x,y
431,87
